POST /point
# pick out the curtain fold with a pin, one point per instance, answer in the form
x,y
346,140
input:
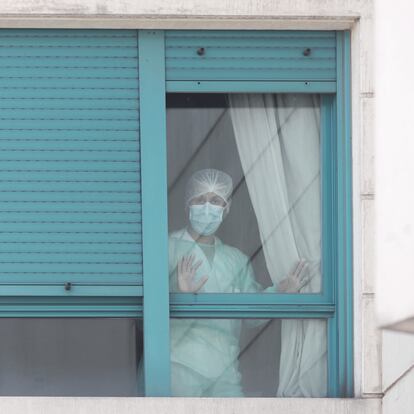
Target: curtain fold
x,y
277,138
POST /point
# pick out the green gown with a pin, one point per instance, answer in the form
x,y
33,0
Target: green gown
x,y
204,352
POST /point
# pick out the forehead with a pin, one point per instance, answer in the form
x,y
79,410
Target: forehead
x,y
208,196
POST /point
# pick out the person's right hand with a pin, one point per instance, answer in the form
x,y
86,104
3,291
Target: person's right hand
x,y
186,270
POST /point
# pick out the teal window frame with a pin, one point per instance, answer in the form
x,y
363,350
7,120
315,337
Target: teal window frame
x,y
334,304
152,302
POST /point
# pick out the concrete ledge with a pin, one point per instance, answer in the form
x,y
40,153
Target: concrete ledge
x,y
184,14
53,21
80,405
189,7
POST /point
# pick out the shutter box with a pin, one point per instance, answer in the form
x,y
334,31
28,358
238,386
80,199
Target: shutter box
x,y
250,55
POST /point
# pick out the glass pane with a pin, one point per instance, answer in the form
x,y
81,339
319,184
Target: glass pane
x,y
248,358
244,193
69,357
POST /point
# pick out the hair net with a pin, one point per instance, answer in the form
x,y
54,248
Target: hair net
x,y
209,181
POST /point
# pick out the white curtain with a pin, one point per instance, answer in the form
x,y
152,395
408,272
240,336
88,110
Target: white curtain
x,y
277,138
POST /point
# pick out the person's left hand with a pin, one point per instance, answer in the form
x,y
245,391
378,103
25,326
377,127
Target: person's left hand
x,y
296,279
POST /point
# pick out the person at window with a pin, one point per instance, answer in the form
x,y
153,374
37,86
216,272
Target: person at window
x,y
204,353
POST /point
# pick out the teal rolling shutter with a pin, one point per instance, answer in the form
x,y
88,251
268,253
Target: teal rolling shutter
x,y
250,55
70,200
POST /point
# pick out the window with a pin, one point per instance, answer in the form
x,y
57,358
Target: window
x,y
67,357
244,289
244,197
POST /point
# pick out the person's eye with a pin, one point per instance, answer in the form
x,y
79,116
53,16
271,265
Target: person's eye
x,y
198,200
217,201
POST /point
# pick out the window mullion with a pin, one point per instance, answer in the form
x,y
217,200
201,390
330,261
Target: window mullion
x,y
154,212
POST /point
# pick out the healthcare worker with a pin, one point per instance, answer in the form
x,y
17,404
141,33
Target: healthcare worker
x,y
204,352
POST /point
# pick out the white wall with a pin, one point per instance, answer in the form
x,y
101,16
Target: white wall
x,y
400,398
398,357
395,172
356,15
395,205
186,406
398,372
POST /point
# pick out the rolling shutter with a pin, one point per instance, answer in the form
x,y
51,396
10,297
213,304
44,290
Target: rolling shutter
x,y
250,55
70,204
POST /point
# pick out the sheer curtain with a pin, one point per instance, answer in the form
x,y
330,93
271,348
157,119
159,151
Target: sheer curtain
x,y
277,138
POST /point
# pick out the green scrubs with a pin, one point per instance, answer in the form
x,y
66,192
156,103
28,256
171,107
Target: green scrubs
x,y
204,352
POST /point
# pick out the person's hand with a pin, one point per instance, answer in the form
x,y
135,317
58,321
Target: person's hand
x,y
296,280
186,270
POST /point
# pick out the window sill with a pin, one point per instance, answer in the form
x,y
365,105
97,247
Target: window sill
x,y
109,405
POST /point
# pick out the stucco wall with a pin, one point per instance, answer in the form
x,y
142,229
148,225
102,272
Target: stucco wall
x,y
191,7
187,406
398,372
395,237
356,15
330,14
399,397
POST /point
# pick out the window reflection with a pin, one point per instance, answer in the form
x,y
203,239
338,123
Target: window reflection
x,y
70,357
244,193
247,358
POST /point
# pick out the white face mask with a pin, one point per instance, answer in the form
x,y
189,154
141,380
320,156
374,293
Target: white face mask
x,y
206,218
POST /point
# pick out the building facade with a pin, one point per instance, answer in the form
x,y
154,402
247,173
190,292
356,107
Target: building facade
x,y
364,354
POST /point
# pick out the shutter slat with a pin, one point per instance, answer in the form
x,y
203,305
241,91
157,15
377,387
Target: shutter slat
x,y
68,93
67,42
62,72
243,41
73,82
69,53
69,196
70,145
33,186
68,175
273,54
72,248
69,156
250,64
63,164
68,63
70,226
251,34
69,237
232,73
75,257
60,33
58,134
21,267
82,216
70,206
67,105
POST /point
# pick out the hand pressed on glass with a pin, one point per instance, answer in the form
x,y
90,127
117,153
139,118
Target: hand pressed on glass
x,y
296,279
186,275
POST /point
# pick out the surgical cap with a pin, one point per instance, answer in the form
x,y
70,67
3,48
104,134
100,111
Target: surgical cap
x,y
209,181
